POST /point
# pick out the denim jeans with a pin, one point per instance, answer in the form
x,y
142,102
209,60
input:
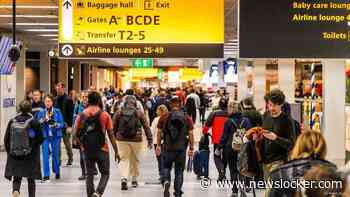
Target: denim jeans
x,y
204,163
179,159
103,165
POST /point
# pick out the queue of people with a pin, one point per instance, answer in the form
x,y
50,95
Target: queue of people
x,y
167,118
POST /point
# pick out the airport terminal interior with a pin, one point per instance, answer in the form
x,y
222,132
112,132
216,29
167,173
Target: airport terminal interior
x,y
214,49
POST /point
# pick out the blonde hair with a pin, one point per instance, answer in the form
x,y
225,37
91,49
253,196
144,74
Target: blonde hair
x,y
161,109
310,144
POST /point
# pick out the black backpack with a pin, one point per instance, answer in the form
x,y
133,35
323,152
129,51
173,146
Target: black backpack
x,y
190,105
92,136
176,132
129,123
19,138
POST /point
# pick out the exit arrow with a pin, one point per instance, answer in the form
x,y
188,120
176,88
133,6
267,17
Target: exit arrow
x,y
67,4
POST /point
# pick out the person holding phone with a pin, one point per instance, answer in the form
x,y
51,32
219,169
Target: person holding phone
x,y
53,124
278,134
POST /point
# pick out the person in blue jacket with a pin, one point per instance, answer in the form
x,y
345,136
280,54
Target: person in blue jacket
x,y
235,120
52,123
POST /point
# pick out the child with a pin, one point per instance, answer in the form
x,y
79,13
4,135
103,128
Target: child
x,y
161,110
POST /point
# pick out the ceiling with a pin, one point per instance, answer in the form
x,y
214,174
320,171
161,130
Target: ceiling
x,y
37,22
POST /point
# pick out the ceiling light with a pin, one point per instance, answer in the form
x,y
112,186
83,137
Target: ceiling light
x,y
28,16
48,35
30,7
42,30
35,24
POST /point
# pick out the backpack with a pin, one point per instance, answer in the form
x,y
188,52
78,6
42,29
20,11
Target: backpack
x,y
92,135
237,138
247,161
176,132
190,105
129,123
19,138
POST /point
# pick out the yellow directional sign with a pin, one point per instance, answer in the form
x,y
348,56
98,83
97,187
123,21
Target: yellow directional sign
x,y
141,28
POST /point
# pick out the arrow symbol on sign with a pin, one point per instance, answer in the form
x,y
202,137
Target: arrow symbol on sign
x,y
67,4
67,49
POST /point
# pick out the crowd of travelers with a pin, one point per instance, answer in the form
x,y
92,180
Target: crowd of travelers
x,y
253,145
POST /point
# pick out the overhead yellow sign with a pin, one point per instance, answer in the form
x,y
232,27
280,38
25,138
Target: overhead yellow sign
x,y
143,72
189,74
137,28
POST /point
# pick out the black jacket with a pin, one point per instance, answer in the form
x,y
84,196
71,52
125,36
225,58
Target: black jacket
x,y
277,150
27,166
294,170
66,106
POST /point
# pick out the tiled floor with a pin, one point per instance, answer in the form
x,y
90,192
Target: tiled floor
x,y
69,186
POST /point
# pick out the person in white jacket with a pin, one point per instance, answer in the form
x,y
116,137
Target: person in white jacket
x,y
161,110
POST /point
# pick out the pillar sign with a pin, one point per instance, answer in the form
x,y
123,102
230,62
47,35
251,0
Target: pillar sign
x,y
141,28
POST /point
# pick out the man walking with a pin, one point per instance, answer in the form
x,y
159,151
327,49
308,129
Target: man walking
x,y
177,130
91,127
66,106
128,124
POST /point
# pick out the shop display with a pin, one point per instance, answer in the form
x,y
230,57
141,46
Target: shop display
x,y
309,121
230,70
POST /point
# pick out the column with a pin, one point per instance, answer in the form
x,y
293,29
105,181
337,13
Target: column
x,y
76,75
286,78
259,83
20,77
242,80
63,71
334,91
45,74
94,77
101,78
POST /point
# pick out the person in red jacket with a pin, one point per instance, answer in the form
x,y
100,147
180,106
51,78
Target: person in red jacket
x,y
216,121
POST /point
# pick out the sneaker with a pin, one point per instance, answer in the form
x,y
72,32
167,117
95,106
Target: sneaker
x,y
15,194
58,176
96,195
134,184
46,179
124,185
69,163
166,188
82,178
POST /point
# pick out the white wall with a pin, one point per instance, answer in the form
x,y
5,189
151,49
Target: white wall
x,y
7,91
334,90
